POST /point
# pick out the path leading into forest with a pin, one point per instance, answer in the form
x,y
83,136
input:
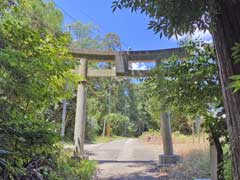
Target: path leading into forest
x,y
127,159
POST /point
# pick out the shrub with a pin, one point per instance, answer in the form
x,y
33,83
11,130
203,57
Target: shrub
x,y
91,130
118,123
28,142
34,152
227,163
69,168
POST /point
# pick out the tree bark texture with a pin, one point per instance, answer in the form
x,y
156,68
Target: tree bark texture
x,y
225,34
216,142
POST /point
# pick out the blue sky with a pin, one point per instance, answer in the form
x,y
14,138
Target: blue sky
x,y
131,27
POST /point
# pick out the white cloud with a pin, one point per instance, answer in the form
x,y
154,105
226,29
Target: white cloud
x,y
142,65
139,66
198,34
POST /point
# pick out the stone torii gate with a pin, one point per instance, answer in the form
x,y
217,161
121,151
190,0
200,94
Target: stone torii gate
x,y
122,60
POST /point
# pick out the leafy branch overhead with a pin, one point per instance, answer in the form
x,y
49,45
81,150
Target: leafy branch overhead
x,y
236,78
188,85
171,18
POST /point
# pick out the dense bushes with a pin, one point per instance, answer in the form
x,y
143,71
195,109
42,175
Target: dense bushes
x,y
34,152
119,124
28,142
74,169
34,66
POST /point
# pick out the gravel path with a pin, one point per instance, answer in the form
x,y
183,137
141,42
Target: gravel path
x,y
125,160
130,159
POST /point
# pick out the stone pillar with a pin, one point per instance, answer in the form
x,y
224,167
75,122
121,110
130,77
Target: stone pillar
x,y
80,119
166,134
168,157
64,113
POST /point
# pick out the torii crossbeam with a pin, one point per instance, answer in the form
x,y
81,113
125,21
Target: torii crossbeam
x,y
122,60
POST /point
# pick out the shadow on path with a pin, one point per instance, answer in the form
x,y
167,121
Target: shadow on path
x,y
130,170
127,162
133,177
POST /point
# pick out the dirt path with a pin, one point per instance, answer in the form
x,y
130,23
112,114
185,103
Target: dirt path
x,y
125,160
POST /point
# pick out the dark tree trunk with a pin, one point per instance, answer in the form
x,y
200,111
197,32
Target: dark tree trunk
x,y
226,33
219,149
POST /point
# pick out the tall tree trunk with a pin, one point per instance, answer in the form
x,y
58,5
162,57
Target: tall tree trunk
x,y
226,33
219,149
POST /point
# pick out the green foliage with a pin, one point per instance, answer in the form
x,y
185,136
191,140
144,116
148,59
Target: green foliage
x,y
111,42
105,139
35,69
118,123
92,129
228,169
171,18
236,78
216,126
68,168
28,141
236,52
84,36
181,123
152,107
34,65
236,83
8,5
190,85
41,15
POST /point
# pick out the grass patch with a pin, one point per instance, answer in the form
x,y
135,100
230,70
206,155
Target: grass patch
x,y
154,137
68,145
195,155
196,164
101,139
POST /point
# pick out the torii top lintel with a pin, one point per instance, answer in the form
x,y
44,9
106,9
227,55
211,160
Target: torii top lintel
x,y
123,58
138,56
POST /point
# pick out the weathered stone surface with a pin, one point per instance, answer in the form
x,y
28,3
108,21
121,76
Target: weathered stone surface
x,y
80,112
101,73
136,56
166,133
123,58
122,64
155,55
94,55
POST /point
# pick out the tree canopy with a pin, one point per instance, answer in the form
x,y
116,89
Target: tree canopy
x,y
171,18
